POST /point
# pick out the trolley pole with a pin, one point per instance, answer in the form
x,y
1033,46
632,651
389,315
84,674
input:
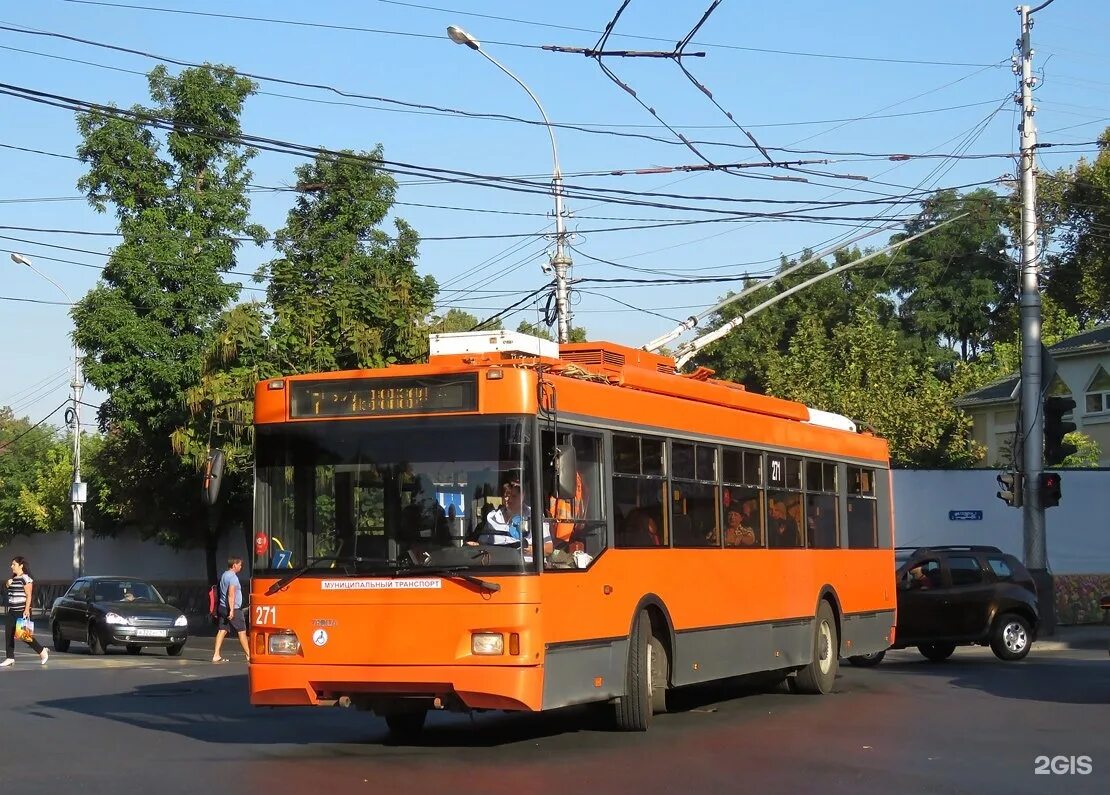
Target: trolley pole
x,y
1032,419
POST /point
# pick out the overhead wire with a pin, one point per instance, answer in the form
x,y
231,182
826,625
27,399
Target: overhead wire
x,y
5,447
403,106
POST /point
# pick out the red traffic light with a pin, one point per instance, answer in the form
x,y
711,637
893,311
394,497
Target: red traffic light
x,y
1050,483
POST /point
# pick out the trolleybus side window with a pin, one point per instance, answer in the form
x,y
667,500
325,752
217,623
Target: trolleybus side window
x,y
742,497
694,500
822,505
639,489
785,518
862,509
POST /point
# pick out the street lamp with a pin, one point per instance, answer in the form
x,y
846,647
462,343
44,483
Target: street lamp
x,y
560,262
78,490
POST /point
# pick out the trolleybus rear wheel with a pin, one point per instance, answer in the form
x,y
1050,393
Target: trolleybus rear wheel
x,y
818,677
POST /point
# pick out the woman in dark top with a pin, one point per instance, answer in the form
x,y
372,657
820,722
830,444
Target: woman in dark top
x,y
19,606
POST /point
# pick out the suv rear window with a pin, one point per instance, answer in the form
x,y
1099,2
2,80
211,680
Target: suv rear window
x,y
1000,568
964,570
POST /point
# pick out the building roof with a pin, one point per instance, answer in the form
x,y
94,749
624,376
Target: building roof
x,y
1001,390
1084,342
998,391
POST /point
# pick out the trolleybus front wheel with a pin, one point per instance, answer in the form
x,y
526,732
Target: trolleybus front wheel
x,y
646,679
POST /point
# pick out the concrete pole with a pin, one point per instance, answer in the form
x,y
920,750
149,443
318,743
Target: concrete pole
x,y
1032,418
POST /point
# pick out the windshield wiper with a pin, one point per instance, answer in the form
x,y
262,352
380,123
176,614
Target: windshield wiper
x,y
458,572
277,586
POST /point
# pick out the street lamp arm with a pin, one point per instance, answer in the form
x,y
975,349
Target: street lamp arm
x,y
43,275
560,262
543,113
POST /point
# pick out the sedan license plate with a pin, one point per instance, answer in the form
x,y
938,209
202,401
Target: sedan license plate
x,y
151,633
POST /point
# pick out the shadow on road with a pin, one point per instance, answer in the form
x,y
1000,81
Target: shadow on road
x,y
1033,679
215,710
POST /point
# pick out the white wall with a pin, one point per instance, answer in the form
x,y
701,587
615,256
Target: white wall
x,y
1077,531
51,557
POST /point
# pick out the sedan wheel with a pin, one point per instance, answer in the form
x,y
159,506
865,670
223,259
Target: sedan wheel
x,y
60,643
96,645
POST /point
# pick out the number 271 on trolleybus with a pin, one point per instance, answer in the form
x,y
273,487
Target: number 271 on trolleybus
x,y
518,525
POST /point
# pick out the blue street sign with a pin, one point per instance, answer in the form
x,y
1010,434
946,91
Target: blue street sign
x,y
965,516
282,559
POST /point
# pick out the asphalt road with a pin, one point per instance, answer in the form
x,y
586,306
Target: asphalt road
x,y
121,724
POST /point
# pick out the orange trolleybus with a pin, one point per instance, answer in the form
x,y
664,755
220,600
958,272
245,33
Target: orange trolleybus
x,y
518,525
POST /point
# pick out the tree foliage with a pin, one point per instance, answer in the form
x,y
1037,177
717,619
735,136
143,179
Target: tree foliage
x,y
182,211
956,284
1079,273
858,369
343,294
750,350
29,458
576,333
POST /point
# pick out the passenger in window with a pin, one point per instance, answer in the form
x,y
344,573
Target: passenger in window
x,y
919,579
568,509
738,532
640,530
783,531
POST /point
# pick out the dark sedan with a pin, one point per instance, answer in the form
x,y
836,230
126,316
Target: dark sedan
x,y
117,611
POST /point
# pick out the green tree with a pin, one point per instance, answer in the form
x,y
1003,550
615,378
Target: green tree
x,y
956,284
1087,452
576,333
44,502
859,369
746,354
343,294
456,320
181,208
29,455
1079,274
1003,358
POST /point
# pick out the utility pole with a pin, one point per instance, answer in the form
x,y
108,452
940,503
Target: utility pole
x,y
1033,529
560,262
78,491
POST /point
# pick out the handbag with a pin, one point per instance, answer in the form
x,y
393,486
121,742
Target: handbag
x,y
25,629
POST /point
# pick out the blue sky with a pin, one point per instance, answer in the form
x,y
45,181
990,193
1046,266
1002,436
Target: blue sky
x,y
786,99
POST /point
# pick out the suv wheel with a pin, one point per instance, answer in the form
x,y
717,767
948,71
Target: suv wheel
x,y
937,652
1011,638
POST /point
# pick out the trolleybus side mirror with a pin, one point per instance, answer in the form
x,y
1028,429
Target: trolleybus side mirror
x,y
213,476
566,470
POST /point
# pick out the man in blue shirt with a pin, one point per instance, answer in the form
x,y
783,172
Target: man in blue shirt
x,y
230,609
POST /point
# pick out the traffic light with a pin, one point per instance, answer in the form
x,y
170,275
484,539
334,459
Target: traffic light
x,y
1009,484
1055,448
1050,489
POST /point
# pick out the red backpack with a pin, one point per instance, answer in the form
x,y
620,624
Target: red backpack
x,y
213,601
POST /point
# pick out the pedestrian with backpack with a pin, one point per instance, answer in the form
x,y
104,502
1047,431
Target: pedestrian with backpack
x,y
230,616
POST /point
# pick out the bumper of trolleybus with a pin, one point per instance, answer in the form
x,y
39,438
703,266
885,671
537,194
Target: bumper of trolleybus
x,y
502,687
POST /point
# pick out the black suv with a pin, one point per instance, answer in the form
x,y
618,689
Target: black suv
x,y
955,596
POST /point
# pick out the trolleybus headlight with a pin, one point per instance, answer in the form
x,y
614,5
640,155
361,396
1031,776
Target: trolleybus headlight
x,y
284,643
487,643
